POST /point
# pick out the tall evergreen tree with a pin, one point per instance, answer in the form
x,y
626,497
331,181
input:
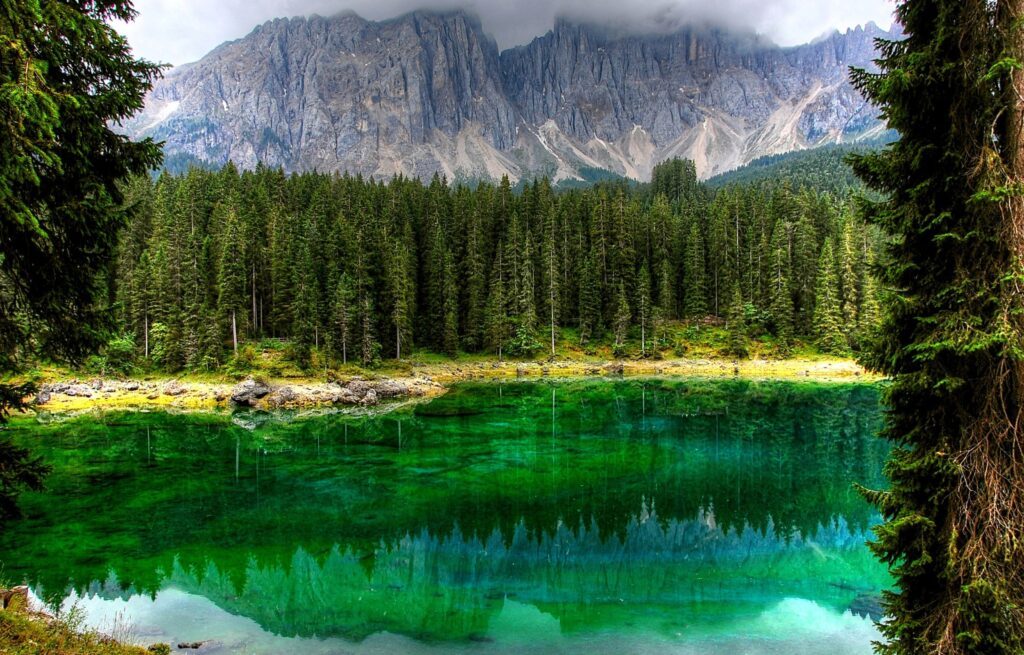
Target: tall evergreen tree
x,y
952,339
736,324
623,315
643,307
343,312
828,313
695,275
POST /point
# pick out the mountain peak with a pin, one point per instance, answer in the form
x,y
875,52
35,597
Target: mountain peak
x,y
429,92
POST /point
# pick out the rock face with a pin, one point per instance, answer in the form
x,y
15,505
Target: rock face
x,y
429,92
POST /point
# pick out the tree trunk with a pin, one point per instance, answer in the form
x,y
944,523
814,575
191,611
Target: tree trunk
x,y
145,331
234,332
254,326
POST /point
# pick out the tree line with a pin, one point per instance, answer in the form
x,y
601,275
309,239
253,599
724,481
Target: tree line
x,y
362,270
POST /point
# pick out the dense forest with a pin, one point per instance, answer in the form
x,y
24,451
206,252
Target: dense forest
x,y
357,270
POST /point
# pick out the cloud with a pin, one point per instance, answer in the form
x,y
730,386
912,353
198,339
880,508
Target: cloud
x,y
179,31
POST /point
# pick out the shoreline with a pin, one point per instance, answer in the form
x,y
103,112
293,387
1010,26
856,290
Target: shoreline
x,y
423,380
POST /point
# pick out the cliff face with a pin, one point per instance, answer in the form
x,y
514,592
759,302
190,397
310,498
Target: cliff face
x,y
429,92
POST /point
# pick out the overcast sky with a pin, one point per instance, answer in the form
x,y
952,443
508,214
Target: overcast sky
x,y
180,31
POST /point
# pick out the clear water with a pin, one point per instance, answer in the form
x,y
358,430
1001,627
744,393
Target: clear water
x,y
597,517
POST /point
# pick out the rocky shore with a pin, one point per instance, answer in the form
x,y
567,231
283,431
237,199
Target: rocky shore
x,y
423,381
102,393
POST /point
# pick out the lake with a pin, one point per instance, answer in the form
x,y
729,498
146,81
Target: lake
x,y
640,516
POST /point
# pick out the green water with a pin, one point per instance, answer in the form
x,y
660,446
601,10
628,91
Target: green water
x,y
632,516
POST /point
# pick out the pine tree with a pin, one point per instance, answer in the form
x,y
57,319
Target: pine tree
x,y
848,278
780,295
450,309
665,309
694,278
828,314
590,299
343,312
231,296
951,341
496,330
551,273
736,324
643,307
623,316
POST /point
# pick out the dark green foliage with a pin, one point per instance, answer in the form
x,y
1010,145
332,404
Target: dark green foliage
x,y
951,340
350,266
65,76
828,313
737,325
823,169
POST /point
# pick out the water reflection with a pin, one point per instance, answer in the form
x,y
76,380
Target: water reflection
x,y
668,508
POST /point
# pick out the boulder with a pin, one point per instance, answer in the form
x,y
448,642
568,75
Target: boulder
x,y
614,368
281,397
78,391
174,388
248,392
42,397
358,386
369,398
130,385
391,389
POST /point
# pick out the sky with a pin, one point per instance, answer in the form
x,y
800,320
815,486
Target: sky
x,y
180,31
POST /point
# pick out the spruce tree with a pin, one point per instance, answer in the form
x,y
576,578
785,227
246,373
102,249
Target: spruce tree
x,y
780,296
828,313
736,324
343,312
643,307
590,299
623,316
695,275
232,302
952,336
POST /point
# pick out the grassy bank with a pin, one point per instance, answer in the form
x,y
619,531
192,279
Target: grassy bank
x,y
699,352
23,632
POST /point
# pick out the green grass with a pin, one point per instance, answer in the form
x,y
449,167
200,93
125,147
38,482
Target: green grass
x,y
273,359
25,633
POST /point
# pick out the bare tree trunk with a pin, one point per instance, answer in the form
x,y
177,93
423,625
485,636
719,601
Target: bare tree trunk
x,y
145,331
234,332
254,325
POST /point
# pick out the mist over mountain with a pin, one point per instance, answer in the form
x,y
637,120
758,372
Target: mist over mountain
x,y
430,92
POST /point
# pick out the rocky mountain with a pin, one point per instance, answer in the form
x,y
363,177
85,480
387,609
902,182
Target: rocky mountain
x,y
430,92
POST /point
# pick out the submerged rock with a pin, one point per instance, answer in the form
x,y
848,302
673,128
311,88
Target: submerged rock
x,y
249,391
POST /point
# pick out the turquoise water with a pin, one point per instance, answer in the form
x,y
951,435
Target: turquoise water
x,y
631,516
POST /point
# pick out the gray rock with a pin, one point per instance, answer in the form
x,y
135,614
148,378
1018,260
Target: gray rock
x,y
391,389
248,392
370,398
174,388
358,387
42,397
78,391
429,92
282,397
130,385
